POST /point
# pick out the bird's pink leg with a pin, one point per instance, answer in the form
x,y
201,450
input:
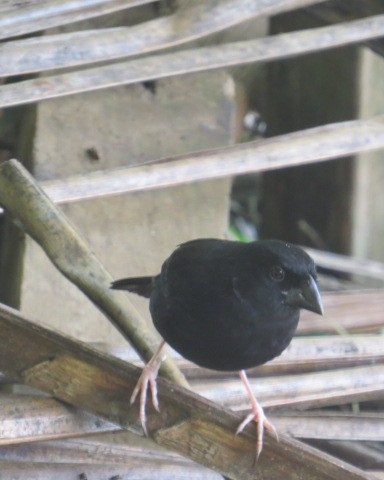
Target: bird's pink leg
x,y
148,378
257,415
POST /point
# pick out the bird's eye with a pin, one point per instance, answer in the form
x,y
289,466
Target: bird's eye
x,y
277,273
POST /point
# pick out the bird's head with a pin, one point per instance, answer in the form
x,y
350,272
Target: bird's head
x,y
292,272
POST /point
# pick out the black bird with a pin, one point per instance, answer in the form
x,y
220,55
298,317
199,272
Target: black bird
x,y
227,306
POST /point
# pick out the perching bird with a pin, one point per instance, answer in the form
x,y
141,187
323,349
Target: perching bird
x,y
227,306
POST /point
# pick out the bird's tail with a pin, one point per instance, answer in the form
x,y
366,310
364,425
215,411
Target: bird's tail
x,y
139,285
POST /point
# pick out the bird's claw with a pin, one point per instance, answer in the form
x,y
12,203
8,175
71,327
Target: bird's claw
x,y
147,378
262,421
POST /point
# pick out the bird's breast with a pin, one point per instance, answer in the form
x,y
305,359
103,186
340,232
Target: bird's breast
x,y
220,337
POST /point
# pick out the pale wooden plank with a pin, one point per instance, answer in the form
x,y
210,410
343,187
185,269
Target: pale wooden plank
x,y
41,15
304,354
377,474
312,145
65,471
308,354
27,418
177,63
84,47
307,146
354,311
332,12
365,426
366,455
310,390
213,16
347,264
119,448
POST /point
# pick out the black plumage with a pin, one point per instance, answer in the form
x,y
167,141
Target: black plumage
x,y
228,305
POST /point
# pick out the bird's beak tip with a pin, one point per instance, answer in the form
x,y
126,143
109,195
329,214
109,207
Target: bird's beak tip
x,y
306,297
313,299
319,308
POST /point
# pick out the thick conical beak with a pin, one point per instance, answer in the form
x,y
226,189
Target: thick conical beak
x,y
307,296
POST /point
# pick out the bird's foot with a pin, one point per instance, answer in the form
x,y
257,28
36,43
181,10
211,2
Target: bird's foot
x,y
262,421
148,379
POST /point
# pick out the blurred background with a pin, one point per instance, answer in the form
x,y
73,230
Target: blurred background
x,y
118,86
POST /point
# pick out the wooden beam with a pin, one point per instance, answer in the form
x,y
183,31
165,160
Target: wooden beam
x,y
366,455
80,48
340,11
19,20
118,448
310,354
28,418
199,17
187,424
304,354
347,312
310,390
87,471
171,64
376,474
365,426
299,148
346,264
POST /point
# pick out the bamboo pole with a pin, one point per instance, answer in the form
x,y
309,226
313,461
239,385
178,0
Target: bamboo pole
x,y
21,196
187,424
